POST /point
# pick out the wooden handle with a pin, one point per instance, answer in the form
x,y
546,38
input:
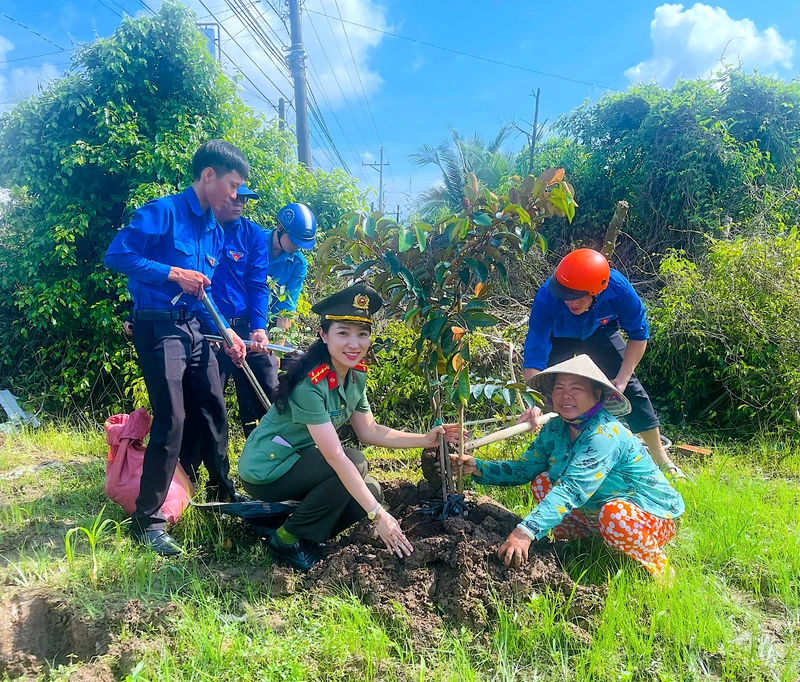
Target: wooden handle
x,y
510,432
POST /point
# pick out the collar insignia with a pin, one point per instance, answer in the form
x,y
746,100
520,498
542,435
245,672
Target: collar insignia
x,y
319,373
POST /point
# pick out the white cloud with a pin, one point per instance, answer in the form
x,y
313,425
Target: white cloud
x,y
18,84
690,43
330,69
417,64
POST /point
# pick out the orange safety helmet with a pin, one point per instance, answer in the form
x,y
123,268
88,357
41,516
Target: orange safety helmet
x,y
584,272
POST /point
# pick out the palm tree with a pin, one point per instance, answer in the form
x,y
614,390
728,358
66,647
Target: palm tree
x,y
458,157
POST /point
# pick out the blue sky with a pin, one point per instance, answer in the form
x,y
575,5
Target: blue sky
x,y
380,88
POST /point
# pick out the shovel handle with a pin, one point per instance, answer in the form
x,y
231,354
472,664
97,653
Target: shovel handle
x,y
509,432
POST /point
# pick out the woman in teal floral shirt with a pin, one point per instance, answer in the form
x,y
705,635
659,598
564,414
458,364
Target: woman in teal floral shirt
x,y
589,474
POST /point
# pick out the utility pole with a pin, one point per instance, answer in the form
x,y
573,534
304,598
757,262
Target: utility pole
x,y
297,63
398,213
535,130
281,113
379,167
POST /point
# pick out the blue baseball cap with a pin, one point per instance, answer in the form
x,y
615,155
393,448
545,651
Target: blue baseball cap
x,y
245,191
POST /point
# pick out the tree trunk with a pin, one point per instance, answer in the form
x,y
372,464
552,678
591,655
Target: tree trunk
x,y
620,215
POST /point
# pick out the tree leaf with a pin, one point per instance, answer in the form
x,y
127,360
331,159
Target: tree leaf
x,y
482,219
351,226
405,240
463,386
422,237
369,226
363,267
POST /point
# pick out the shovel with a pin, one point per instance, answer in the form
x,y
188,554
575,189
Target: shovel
x,y
228,339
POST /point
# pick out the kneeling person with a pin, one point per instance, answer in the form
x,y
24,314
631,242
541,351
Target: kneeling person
x,y
588,473
295,451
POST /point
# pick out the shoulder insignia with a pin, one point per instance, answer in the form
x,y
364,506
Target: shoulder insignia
x,y
361,367
319,373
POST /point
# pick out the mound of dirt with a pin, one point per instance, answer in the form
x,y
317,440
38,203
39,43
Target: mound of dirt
x,y
454,573
36,629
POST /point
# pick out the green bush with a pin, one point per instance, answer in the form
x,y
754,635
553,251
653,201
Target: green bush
x,y
725,348
398,396
118,130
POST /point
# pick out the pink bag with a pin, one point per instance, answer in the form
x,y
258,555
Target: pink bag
x,y
124,435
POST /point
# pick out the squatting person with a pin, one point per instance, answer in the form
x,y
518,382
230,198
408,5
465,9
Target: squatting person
x,y
295,452
589,474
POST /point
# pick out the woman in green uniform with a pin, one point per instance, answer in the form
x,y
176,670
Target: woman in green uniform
x,y
295,452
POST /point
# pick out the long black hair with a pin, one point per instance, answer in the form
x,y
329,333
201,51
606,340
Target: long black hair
x,y
316,354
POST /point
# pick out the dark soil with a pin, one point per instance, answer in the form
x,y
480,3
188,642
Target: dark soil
x,y
454,573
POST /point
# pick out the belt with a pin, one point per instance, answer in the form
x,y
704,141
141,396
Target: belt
x,y
155,314
239,321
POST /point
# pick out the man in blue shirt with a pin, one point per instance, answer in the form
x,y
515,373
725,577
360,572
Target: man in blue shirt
x,y
169,252
581,309
240,288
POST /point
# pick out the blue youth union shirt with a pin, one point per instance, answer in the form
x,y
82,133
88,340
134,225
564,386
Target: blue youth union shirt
x,y
618,305
288,270
240,283
172,231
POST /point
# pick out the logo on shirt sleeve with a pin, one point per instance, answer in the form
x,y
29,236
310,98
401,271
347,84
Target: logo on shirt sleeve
x,y
236,255
211,260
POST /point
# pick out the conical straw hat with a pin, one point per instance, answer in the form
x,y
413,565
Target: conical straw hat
x,y
583,366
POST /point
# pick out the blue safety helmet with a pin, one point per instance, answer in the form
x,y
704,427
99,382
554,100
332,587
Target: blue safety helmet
x,y
300,224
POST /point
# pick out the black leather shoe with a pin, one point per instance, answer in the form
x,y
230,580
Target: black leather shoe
x,y
159,541
302,555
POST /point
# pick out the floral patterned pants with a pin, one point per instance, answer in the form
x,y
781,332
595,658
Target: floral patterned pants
x,y
622,525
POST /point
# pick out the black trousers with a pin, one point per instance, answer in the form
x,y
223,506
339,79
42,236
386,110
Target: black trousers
x,y
265,368
606,348
326,508
182,380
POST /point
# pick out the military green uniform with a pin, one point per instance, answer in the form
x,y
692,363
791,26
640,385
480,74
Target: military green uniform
x,y
281,462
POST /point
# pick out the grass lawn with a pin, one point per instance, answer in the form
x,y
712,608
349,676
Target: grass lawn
x,y
733,612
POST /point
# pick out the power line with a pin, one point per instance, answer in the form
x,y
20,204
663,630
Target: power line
x,y
146,6
36,33
113,11
236,42
347,71
251,22
318,80
275,55
35,66
366,99
465,54
336,80
36,56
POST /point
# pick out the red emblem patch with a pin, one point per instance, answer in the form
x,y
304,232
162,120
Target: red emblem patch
x,y
605,320
236,255
333,381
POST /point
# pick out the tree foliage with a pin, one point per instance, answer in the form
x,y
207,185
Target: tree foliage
x,y
706,157
728,328
438,278
118,130
456,158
